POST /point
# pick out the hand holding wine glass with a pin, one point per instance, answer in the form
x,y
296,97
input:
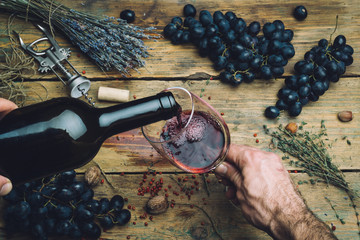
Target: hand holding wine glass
x,y
6,106
258,182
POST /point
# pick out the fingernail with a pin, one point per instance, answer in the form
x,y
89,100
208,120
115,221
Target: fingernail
x,y
5,189
221,169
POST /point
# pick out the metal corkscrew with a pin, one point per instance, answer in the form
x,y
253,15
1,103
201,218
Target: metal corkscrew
x,y
52,58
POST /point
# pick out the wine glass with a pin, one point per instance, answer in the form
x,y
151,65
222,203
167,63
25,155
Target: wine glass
x,y
196,140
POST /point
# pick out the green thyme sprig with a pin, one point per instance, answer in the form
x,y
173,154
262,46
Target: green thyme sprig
x,y
311,152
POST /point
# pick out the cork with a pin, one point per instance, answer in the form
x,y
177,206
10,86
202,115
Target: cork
x,y
113,94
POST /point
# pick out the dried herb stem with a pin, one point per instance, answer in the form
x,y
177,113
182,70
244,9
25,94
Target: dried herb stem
x,y
311,151
207,215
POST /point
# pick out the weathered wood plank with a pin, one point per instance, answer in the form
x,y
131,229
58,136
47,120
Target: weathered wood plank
x,y
243,109
168,60
179,222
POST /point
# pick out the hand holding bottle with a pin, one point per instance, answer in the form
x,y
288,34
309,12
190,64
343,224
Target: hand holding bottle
x,y
6,106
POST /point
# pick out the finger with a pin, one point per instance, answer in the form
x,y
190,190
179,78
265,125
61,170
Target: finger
x,y
237,154
5,186
227,170
6,106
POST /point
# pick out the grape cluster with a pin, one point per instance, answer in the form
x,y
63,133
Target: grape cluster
x,y
323,64
61,206
233,46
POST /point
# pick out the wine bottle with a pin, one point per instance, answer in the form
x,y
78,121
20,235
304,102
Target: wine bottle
x,y
66,133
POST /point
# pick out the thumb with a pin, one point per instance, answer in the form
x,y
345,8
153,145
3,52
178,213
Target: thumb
x,y
5,186
228,171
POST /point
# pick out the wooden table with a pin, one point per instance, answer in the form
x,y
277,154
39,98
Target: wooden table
x,y
126,156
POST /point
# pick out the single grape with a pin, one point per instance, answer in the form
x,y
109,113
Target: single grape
x,y
300,12
128,15
189,10
272,112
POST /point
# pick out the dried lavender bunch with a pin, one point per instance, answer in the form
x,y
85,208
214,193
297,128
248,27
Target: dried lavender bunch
x,y
110,42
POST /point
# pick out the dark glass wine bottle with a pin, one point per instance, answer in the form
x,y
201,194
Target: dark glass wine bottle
x,y
66,133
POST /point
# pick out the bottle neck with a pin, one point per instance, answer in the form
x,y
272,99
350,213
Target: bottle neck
x,y
137,113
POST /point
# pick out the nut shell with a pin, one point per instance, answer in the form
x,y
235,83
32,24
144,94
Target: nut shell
x,y
345,116
92,175
292,127
157,205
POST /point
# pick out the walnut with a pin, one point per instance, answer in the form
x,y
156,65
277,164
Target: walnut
x,y
157,205
92,175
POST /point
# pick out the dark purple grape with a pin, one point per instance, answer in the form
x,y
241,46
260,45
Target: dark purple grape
x,y
288,35
291,98
283,93
64,212
224,26
206,19
75,231
304,101
128,15
63,227
65,194
117,203
90,230
287,51
331,68
348,50
272,112
313,97
320,73
220,63
266,72
177,21
275,60
281,105
87,195
257,61
339,41
254,28
318,88
230,16
104,205
277,71
35,199
211,30
170,30
218,15
123,217
177,37
225,77
249,76
67,177
304,91
268,29
295,109
323,43
245,56
93,205
292,82
38,231
189,10
237,79
50,224
84,215
238,25
302,80
106,222
300,12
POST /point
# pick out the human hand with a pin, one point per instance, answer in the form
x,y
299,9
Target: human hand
x,y
5,107
258,182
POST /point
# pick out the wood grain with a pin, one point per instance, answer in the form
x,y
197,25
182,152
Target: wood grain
x,y
243,108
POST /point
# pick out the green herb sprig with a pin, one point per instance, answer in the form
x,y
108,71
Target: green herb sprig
x,y
311,152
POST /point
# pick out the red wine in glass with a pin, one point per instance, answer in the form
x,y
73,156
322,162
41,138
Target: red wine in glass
x,y
196,147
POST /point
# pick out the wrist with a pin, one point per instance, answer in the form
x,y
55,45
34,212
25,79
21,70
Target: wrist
x,y
298,225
